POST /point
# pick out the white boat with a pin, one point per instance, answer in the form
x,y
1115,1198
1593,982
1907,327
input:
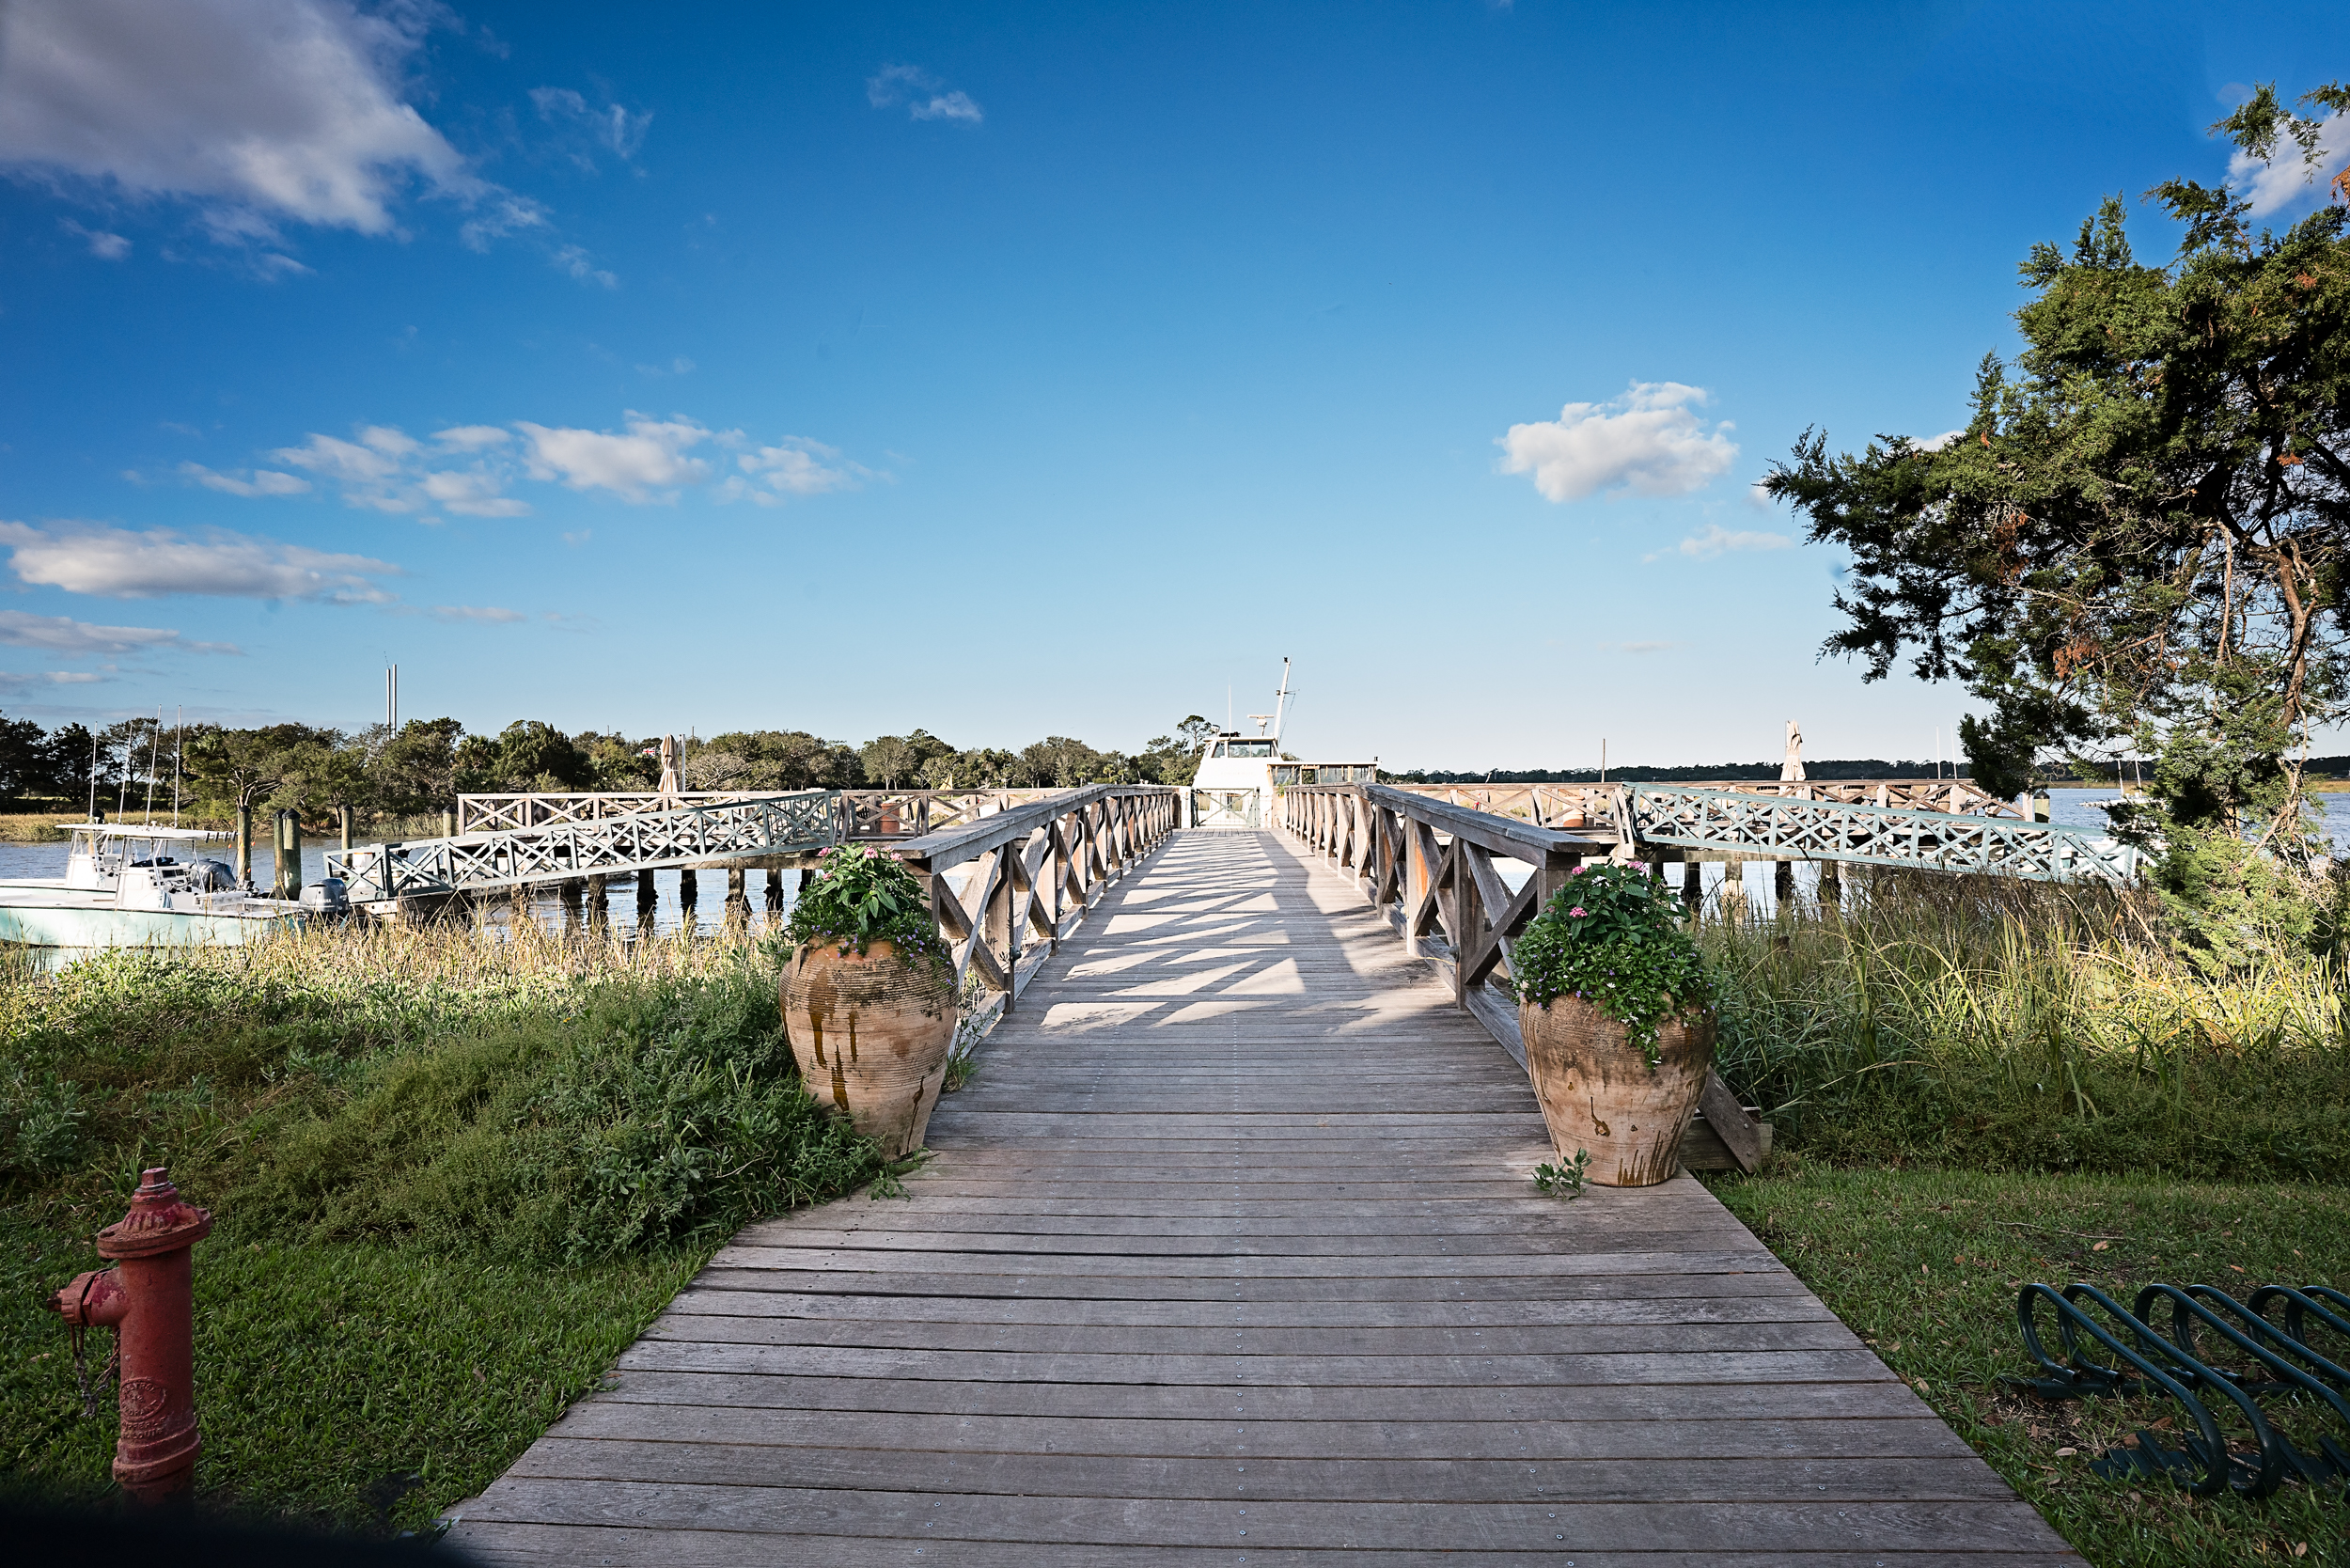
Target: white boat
x,y
1240,776
124,887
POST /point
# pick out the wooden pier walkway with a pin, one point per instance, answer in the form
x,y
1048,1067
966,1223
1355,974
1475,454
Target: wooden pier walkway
x,y
1230,1255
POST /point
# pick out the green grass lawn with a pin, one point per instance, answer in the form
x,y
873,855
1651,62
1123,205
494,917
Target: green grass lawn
x,y
1926,1264
359,1385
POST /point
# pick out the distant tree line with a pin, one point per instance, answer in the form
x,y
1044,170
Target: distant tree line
x,y
1864,767
208,770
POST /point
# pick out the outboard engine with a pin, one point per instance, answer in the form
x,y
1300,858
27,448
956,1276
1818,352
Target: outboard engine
x,y
211,876
327,897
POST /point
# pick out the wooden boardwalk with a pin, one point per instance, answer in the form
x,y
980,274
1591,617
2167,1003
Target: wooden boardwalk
x,y
1230,1255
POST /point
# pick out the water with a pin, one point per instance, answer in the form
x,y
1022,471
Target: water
x,y
545,905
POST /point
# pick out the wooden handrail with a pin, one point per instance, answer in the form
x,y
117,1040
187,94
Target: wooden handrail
x,y
1036,869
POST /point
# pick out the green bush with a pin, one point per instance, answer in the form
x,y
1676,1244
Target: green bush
x,y
1613,939
654,1115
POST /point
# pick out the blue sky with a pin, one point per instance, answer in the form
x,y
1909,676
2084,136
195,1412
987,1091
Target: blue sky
x,y
1011,369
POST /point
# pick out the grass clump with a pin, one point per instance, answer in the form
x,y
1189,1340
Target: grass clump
x,y
455,1172
1993,1023
1925,1266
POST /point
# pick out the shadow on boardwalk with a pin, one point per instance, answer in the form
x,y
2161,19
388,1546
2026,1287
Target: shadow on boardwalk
x,y
1230,1255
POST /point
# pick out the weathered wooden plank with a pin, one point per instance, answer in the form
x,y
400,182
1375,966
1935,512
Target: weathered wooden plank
x,y
1199,1238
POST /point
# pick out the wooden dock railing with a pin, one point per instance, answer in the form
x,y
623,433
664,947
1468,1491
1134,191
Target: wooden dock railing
x,y
1428,865
1030,871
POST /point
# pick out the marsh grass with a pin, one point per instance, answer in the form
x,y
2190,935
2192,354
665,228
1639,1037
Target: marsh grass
x,y
456,1170
2001,1025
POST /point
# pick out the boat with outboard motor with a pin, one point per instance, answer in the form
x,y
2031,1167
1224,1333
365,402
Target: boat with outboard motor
x,y
124,886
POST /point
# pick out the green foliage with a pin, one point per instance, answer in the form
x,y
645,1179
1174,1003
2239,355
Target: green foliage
x,y
1925,1266
650,1117
2142,540
1614,938
861,895
1565,1178
41,1122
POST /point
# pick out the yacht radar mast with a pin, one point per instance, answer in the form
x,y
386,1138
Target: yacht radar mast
x,y
1280,702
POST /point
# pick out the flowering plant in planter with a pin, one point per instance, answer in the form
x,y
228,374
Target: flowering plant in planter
x,y
861,896
1614,938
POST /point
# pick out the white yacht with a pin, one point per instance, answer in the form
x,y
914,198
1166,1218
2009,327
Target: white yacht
x,y
1240,776
125,886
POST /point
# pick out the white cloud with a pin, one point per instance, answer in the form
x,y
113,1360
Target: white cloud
x,y
924,95
2281,179
1646,647
260,111
15,681
1935,443
472,495
62,635
264,482
369,461
117,563
613,128
508,214
105,246
795,467
472,438
649,458
1716,538
952,106
575,261
484,615
1645,440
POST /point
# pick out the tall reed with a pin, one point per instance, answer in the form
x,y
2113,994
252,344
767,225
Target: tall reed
x,y
2020,1026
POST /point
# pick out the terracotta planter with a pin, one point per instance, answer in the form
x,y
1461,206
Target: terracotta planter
x,y
870,1033
1598,1094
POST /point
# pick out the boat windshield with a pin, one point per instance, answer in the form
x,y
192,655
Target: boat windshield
x,y
1247,748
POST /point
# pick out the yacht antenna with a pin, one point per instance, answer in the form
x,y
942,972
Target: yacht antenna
x,y
93,778
1281,701
179,745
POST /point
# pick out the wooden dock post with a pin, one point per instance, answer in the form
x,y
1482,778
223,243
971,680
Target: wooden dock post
x,y
245,846
738,896
774,891
1734,891
342,815
1831,888
1784,880
1692,883
599,905
448,823
689,895
648,899
289,877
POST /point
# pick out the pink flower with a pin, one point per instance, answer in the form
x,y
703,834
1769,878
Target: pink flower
x,y
1576,912
1578,870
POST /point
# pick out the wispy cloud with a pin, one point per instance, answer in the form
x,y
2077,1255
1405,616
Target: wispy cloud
x,y
62,635
258,482
1645,440
105,246
478,615
472,470
1715,540
795,466
117,563
585,128
924,96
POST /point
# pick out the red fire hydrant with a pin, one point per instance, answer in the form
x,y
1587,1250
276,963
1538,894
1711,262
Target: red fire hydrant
x,y
149,1298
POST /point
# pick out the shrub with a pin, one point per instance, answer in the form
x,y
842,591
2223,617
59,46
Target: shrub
x,y
1613,939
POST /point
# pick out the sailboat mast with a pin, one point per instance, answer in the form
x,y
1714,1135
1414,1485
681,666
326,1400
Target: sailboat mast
x,y
1280,704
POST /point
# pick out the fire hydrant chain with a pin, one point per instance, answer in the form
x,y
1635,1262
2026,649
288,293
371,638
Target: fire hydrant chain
x,y
107,1374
